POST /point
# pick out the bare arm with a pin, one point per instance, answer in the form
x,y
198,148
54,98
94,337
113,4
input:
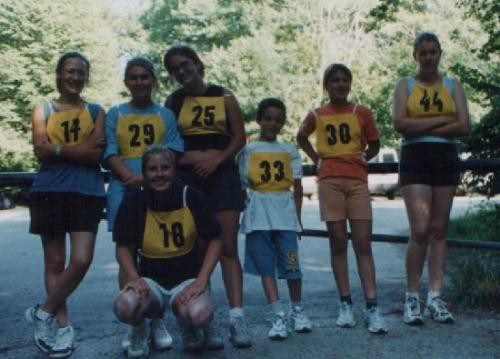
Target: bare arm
x,y
123,173
409,126
461,126
305,144
298,194
372,149
196,288
88,152
125,258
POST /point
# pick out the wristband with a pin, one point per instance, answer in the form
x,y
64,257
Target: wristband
x,y
58,151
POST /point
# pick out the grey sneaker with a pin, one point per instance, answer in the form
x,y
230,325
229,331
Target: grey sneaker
x,y
192,338
213,339
412,315
375,323
63,346
299,320
279,330
346,316
159,334
438,311
238,333
139,341
44,331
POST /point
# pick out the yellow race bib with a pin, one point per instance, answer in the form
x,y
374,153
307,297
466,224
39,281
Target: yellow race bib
x,y
270,171
168,234
338,134
135,132
69,128
202,115
427,101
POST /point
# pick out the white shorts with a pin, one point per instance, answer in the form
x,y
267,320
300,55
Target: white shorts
x,y
166,296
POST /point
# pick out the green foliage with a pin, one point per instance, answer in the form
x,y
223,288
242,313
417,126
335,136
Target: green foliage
x,y
33,34
480,223
475,281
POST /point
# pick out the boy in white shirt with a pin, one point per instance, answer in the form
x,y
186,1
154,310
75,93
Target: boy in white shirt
x,y
271,221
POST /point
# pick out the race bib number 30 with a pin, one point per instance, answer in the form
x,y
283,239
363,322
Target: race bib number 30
x,y
270,171
338,134
134,133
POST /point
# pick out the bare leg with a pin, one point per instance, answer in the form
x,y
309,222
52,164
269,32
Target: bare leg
x,y
270,289
442,200
230,263
132,309
54,250
197,312
361,241
295,290
82,251
338,253
418,199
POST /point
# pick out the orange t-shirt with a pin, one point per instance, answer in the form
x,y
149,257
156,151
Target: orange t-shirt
x,y
341,136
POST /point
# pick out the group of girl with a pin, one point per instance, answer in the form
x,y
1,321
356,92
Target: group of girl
x,y
174,197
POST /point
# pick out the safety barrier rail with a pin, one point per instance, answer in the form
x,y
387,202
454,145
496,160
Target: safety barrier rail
x,y
24,179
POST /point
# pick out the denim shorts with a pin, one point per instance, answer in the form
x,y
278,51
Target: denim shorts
x,y
266,251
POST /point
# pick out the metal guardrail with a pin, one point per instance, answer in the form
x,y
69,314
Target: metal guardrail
x,y
24,179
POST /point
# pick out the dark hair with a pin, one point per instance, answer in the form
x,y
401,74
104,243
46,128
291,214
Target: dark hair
x,y
332,68
183,50
426,36
270,102
69,55
157,150
141,62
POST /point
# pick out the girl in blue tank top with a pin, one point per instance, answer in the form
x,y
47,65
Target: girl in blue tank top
x,y
67,196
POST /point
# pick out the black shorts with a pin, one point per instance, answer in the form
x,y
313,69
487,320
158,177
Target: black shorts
x,y
429,163
222,188
64,212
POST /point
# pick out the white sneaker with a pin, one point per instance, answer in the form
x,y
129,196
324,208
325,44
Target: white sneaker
x,y
159,334
437,310
238,333
192,338
63,346
299,320
375,323
412,315
213,339
44,331
139,341
346,316
279,330
126,339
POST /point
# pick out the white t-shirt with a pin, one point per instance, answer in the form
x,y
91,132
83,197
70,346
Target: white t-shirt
x,y
267,171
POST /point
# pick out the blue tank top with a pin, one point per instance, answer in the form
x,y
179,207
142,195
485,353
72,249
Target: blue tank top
x,y
63,176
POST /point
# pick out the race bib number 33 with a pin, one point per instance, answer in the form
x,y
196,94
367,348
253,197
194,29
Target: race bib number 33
x,y
270,171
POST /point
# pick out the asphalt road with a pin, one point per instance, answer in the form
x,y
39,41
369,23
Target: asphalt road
x,y
98,334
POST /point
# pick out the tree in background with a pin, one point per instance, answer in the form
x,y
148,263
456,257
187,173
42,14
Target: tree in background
x,y
33,34
477,66
281,47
